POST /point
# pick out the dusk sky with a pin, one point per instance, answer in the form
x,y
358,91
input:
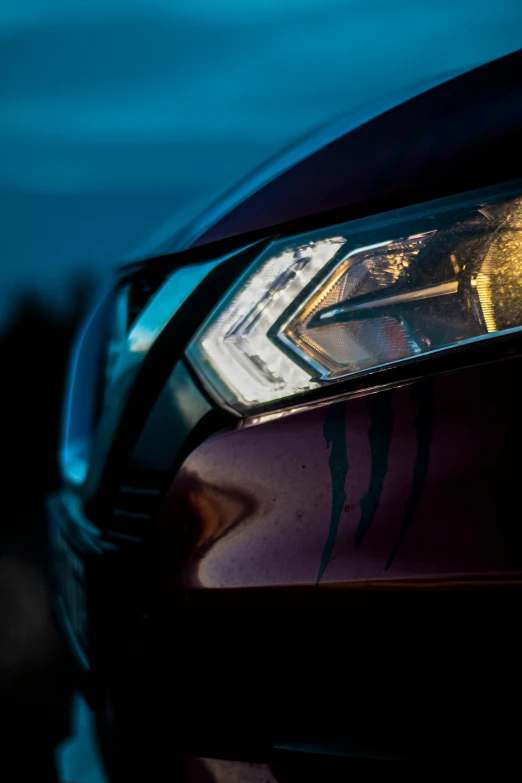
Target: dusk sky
x,y
123,119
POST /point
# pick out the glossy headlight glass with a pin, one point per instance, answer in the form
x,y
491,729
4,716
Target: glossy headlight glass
x,y
363,295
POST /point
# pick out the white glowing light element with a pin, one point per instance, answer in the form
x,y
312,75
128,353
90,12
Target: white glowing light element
x,y
236,344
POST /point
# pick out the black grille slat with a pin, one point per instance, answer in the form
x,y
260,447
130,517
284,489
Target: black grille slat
x,y
136,502
137,491
121,512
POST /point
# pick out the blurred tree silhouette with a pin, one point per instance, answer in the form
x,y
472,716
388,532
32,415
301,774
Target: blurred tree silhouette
x,y
36,675
33,356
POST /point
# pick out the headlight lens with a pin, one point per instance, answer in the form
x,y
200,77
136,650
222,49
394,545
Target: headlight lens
x,y
364,295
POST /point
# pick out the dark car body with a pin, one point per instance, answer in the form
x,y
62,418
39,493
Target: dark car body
x,y
333,578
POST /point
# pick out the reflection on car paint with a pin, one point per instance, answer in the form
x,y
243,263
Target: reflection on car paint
x,y
410,485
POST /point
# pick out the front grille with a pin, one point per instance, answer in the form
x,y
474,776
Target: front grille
x,y
70,574
136,502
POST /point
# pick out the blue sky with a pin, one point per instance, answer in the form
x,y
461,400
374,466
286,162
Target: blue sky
x,y
123,119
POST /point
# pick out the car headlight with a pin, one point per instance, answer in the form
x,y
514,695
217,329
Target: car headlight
x,y
363,295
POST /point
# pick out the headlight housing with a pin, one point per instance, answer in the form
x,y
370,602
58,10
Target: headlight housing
x,y
363,295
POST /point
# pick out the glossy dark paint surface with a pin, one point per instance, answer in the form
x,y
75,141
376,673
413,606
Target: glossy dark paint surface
x,y
414,483
460,135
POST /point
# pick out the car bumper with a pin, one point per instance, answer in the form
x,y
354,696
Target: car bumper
x,y
96,590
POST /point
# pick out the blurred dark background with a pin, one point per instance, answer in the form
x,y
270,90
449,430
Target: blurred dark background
x,y
36,674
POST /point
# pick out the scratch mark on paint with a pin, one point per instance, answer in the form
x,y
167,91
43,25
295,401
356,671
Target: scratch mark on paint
x,y
380,435
422,394
335,435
